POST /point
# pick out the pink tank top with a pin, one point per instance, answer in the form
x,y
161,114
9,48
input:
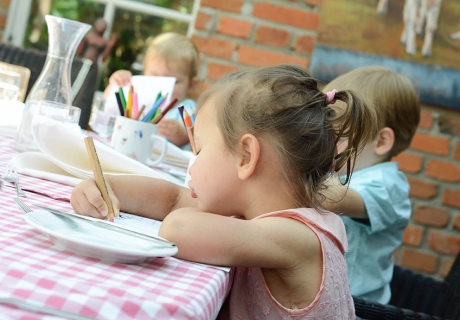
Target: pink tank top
x,y
250,298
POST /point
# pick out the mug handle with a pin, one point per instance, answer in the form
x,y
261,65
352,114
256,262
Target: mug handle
x,y
164,147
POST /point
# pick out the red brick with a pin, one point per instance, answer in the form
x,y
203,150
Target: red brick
x,y
215,47
426,119
419,261
409,162
203,21
5,4
216,70
2,21
304,44
272,36
290,16
446,265
449,124
444,243
457,222
227,5
422,189
413,236
451,197
431,144
314,3
234,27
443,170
457,151
256,57
431,216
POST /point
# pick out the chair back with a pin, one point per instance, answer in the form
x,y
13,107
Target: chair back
x,y
24,74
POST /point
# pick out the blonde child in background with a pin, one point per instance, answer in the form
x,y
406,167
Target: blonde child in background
x,y
266,141
168,55
375,207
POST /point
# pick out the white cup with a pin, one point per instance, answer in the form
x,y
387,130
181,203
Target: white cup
x,y
138,140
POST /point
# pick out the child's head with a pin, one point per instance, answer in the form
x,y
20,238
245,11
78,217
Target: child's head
x,y
173,55
394,97
283,108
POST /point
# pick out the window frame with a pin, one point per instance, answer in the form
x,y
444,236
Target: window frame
x,y
19,12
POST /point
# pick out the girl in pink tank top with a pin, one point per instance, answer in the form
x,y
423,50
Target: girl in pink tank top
x,y
266,143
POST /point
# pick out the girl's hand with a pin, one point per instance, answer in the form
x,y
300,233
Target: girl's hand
x,y
174,131
86,199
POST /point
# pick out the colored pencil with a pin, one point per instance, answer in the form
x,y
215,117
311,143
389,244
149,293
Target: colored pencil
x,y
150,114
181,113
135,107
129,102
119,103
190,133
98,176
165,110
122,97
139,113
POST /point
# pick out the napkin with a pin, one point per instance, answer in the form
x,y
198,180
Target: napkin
x,y
66,150
36,164
10,116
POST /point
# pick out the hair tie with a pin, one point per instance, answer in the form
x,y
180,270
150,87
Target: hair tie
x,y
330,96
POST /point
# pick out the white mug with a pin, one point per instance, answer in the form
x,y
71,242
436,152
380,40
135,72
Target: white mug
x,y
138,140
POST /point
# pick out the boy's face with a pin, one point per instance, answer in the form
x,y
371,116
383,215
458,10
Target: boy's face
x,y
160,67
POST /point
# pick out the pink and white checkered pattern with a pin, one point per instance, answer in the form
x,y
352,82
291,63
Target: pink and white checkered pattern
x,y
42,277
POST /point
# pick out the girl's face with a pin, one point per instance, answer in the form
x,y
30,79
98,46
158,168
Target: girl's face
x,y
160,67
214,177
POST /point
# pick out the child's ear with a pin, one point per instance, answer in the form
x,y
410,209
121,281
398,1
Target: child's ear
x,y
385,141
248,156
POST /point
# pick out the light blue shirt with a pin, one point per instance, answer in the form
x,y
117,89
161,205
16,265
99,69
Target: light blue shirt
x,y
189,106
371,243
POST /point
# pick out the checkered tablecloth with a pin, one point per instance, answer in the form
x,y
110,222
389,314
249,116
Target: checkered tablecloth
x,y
39,281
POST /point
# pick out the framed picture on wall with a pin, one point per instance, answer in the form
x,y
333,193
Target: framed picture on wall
x,y
417,38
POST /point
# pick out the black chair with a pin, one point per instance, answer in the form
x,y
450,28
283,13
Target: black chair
x,y
415,296
83,75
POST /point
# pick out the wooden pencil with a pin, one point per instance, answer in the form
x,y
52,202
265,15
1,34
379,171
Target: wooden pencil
x,y
98,176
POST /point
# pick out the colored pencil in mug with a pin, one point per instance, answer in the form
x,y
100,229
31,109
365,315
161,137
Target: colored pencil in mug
x,y
164,111
122,97
151,113
139,113
129,102
119,104
135,106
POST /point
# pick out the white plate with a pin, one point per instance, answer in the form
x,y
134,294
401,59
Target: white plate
x,y
84,238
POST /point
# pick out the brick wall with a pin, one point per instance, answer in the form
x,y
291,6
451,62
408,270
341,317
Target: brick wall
x,y
239,33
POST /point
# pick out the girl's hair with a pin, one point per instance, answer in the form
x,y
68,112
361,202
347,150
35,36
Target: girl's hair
x,y
175,46
395,99
284,106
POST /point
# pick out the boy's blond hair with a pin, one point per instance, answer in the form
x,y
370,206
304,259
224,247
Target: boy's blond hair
x,y
395,99
175,46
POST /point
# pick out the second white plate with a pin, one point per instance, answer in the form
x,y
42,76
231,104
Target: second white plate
x,y
84,238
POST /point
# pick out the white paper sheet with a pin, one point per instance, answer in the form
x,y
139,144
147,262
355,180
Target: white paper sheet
x,y
147,89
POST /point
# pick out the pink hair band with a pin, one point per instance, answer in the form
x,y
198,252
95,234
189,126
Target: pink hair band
x,y
330,96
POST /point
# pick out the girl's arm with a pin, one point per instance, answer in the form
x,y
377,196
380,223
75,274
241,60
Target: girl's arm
x,y
148,197
272,242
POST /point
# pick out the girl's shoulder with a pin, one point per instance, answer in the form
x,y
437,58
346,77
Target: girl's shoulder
x,y
324,220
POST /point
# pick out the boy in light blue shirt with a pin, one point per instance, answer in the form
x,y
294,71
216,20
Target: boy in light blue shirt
x,y
375,206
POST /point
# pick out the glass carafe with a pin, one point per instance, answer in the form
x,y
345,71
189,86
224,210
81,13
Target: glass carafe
x,y
53,84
